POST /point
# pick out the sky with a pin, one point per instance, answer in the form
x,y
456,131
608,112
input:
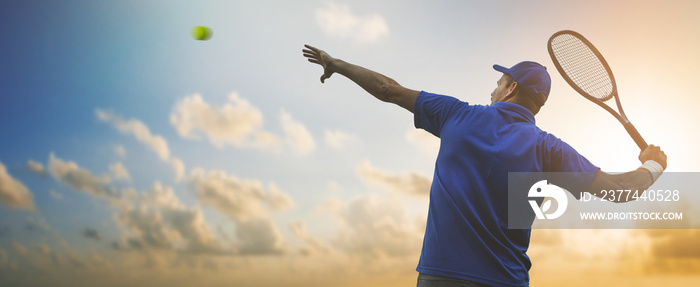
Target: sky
x,y
132,154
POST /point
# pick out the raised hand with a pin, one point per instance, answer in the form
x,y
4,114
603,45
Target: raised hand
x,y
654,153
322,58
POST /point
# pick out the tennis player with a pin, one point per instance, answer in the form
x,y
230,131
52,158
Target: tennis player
x,y
467,242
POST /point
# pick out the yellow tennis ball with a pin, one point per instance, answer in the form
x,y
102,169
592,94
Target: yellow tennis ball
x,y
201,33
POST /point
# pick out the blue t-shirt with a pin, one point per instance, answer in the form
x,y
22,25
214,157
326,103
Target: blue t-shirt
x,y
466,234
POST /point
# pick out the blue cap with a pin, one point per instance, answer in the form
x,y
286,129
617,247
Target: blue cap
x,y
532,77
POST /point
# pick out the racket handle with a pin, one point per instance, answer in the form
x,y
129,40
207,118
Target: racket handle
x,y
641,143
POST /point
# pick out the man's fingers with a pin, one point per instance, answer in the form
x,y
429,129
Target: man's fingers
x,y
311,57
311,48
314,55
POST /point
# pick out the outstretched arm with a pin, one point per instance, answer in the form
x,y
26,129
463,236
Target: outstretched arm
x,y
639,179
378,85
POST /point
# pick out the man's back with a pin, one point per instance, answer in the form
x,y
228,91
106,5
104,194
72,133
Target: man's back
x,y
467,235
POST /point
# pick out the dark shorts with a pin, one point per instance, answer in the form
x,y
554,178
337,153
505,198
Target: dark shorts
x,y
425,280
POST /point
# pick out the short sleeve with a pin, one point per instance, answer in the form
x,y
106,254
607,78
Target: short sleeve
x,y
575,171
431,111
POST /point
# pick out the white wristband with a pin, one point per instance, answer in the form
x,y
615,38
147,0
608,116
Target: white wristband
x,y
654,168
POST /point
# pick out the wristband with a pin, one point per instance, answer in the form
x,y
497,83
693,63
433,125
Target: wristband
x,y
654,168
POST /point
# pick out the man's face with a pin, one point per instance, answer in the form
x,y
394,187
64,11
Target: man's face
x,y
503,89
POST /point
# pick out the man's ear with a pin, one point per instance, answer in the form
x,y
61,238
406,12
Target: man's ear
x,y
511,88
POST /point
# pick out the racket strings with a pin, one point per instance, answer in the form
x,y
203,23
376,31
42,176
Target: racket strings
x,y
582,66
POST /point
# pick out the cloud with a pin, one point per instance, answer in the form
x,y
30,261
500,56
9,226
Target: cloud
x,y
79,179
19,248
119,171
157,220
137,129
36,167
374,227
3,258
237,123
425,141
674,251
143,134
409,183
238,198
74,261
179,168
13,193
120,151
92,234
312,244
277,200
681,244
154,220
336,20
297,136
31,225
56,195
248,204
338,139
258,236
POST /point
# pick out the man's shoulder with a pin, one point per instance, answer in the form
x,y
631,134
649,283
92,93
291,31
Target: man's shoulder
x,y
433,103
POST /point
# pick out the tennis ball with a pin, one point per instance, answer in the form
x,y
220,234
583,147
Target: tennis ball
x,y
201,33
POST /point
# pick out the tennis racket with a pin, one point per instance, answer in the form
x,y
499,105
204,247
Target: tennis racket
x,y
585,69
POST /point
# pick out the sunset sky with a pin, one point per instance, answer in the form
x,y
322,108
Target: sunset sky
x,y
134,155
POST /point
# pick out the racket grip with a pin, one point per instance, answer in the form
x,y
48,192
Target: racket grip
x,y
641,143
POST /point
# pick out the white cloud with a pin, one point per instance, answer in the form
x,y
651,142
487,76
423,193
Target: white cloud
x,y
80,179
237,123
277,199
152,220
425,141
158,220
245,202
375,227
137,129
312,244
297,136
13,193
258,236
337,20
409,183
119,171
36,167
179,168
143,134
238,198
120,151
338,139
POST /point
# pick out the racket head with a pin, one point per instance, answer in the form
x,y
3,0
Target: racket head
x,y
582,65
